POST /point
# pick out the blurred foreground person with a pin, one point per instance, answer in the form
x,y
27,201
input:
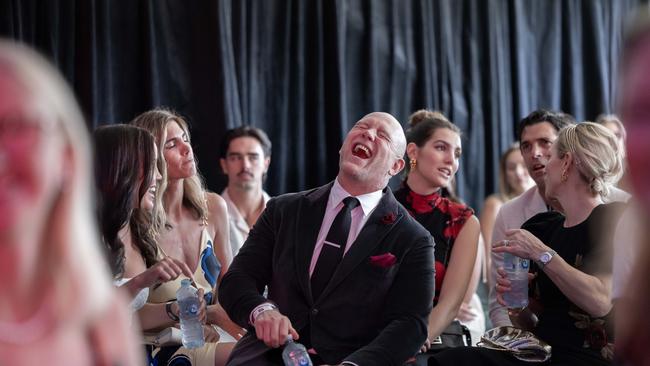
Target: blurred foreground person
x,y
57,305
633,324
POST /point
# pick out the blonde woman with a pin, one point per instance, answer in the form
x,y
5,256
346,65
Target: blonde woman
x,y
57,304
195,231
570,254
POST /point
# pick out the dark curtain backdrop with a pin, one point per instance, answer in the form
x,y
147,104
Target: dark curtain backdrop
x,y
306,70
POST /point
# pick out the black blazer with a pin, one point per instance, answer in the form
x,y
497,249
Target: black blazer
x,y
371,313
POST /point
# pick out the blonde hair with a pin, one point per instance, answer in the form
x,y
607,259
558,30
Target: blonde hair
x,y
596,154
156,121
604,119
70,243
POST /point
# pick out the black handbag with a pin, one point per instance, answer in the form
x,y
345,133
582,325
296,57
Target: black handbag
x,y
455,335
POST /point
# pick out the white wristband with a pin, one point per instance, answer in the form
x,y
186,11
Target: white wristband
x,y
259,309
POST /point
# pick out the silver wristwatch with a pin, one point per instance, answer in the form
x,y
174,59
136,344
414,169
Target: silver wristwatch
x,y
544,258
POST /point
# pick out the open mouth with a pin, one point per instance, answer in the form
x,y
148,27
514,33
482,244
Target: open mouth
x,y
361,151
445,171
538,167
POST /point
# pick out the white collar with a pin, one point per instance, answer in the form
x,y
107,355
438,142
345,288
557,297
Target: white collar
x,y
368,200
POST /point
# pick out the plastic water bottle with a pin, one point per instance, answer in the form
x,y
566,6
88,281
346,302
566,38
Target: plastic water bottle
x,y
189,305
517,270
295,354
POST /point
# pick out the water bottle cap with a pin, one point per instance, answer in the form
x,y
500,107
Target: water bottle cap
x,y
289,338
186,282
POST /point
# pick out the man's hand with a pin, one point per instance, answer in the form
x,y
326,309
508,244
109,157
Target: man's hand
x,y
273,328
425,347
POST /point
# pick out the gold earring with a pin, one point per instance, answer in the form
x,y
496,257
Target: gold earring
x,y
413,163
565,176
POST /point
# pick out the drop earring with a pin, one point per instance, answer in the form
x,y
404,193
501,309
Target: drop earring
x,y
413,163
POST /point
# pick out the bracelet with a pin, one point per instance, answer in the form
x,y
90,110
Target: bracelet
x,y
259,310
170,313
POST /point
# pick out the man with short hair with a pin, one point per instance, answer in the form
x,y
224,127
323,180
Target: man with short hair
x,y
536,132
349,273
245,158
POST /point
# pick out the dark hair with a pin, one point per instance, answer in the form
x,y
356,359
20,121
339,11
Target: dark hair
x,y
124,155
424,123
245,131
558,120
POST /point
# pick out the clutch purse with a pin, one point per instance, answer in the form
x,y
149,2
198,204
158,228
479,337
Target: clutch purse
x,y
522,344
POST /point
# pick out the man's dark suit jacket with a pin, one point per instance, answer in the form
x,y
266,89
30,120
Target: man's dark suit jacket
x,y
371,312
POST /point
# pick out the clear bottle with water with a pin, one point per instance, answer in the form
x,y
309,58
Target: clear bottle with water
x,y
189,306
517,272
295,354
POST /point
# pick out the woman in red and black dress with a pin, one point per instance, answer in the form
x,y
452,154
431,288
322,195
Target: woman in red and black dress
x,y
433,151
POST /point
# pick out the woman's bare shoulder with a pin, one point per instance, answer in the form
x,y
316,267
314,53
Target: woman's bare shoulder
x,y
492,202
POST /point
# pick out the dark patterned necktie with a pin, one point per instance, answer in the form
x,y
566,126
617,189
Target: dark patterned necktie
x,y
333,247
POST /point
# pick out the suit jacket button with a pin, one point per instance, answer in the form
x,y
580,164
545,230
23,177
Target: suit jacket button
x,y
314,311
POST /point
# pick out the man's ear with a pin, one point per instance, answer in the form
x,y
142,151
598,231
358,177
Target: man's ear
x,y
222,162
267,162
397,167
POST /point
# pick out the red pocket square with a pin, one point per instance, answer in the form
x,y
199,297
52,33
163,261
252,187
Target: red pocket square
x,y
383,260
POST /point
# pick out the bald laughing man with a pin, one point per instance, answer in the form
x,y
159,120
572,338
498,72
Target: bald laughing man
x,y
349,272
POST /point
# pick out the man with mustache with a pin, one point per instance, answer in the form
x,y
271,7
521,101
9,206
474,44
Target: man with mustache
x,y
349,273
245,158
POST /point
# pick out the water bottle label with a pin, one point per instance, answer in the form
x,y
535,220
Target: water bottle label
x,y
524,263
193,309
514,263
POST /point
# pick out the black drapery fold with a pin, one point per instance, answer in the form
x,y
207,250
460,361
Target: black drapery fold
x,y
305,71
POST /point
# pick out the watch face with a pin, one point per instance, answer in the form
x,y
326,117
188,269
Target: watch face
x,y
545,257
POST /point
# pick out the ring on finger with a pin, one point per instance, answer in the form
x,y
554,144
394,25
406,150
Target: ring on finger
x,y
506,243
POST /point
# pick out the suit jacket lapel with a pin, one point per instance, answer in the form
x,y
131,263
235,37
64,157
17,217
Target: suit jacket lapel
x,y
378,225
309,219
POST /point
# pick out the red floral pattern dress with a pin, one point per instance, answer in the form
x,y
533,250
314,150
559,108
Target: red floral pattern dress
x,y
443,218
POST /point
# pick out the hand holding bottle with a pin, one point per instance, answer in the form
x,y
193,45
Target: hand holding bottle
x,y
272,327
